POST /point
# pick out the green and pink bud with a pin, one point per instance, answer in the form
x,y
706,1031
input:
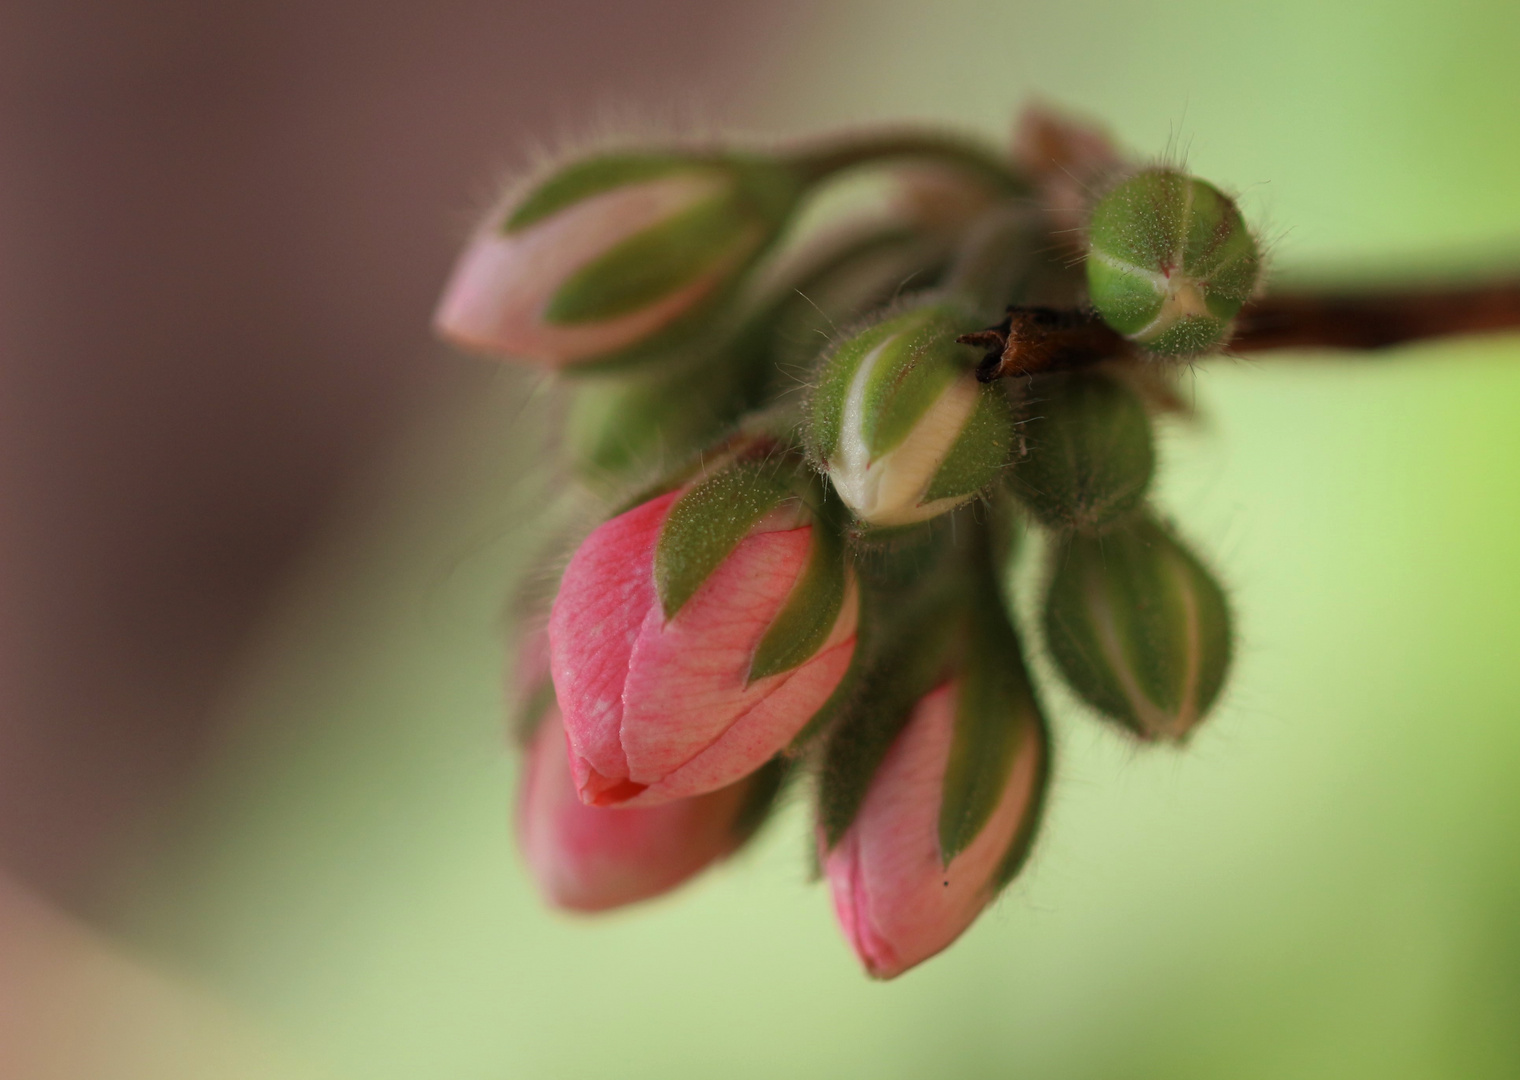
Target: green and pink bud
x,y
1139,628
949,814
899,422
1170,262
588,859
695,635
612,253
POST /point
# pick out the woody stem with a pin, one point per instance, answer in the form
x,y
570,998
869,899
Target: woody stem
x,y
1035,340
1374,319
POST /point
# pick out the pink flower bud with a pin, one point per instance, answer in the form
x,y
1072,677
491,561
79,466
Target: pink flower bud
x,y
896,899
661,708
610,251
589,859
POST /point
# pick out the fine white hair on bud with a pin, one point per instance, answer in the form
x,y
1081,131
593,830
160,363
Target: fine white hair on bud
x,y
1170,262
899,422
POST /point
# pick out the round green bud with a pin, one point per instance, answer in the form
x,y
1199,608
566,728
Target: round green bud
x,y
1087,451
899,422
1138,628
1170,261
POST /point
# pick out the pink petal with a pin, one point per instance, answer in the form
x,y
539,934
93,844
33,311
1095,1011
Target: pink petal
x,y
590,859
499,288
691,721
604,597
662,710
896,901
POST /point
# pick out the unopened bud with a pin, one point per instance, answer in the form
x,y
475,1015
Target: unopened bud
x,y
588,859
695,635
1138,628
610,252
900,423
1088,454
950,812
622,429
1170,261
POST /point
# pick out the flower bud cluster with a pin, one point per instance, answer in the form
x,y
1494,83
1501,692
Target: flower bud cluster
x,y
800,567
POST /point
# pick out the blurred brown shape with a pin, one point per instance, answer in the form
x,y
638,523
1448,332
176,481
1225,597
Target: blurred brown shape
x,y
222,228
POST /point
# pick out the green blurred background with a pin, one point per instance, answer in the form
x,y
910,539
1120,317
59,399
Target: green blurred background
x,y
1326,883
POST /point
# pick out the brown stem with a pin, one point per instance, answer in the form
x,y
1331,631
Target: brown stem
x,y
1031,340
1374,319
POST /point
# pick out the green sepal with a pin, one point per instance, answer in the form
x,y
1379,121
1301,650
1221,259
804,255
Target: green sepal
x,y
709,521
768,189
621,428
866,726
1008,528
1159,233
753,198
1220,251
921,361
908,637
1142,220
1127,301
811,610
1138,628
980,453
1034,813
825,419
1188,337
618,429
654,263
996,719
1089,451
592,176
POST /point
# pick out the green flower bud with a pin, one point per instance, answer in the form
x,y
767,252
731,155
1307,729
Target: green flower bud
x,y
1170,261
613,253
626,428
1138,628
1088,451
899,422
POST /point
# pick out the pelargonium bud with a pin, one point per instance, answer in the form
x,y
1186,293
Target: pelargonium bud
x,y
612,250
1138,628
696,634
899,422
589,859
1170,261
1088,451
949,814
619,429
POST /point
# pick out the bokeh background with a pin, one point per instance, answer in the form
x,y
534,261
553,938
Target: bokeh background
x,y
254,790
